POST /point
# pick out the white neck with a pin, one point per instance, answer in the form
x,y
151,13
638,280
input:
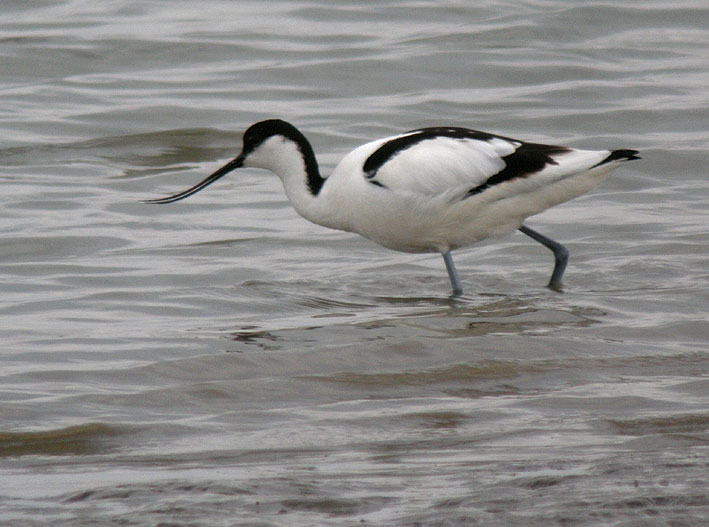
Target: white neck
x,y
286,159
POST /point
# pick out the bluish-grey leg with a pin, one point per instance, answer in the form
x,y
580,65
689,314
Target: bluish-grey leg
x,y
561,255
452,274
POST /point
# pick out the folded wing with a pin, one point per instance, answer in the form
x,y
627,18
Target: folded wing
x,y
459,163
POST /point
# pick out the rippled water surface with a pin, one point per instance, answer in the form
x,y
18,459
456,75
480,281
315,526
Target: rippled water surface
x,y
221,361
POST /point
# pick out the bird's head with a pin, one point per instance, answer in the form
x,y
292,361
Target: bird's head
x,y
265,145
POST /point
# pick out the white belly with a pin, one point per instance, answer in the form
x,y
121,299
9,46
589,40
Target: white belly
x,y
411,222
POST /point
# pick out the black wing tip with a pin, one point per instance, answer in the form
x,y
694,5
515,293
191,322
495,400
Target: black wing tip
x,y
621,155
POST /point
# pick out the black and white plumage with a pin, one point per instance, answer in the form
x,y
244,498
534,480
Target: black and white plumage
x,y
427,190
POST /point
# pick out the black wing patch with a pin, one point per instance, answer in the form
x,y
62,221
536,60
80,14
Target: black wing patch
x,y
528,159
391,148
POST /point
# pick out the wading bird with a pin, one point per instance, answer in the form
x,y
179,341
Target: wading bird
x,y
427,190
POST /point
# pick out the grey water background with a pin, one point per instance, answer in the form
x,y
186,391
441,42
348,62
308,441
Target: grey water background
x,y
222,362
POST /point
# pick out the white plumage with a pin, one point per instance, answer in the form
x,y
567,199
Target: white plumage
x,y
428,190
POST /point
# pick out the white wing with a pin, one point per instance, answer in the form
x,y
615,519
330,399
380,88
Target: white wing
x,y
443,165
458,162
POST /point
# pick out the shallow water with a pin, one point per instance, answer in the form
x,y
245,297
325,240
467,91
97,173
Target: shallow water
x,y
221,361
